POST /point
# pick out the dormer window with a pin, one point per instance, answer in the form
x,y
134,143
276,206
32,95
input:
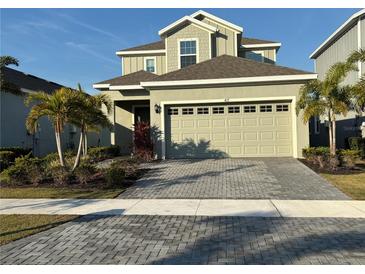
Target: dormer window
x,y
150,64
188,52
255,55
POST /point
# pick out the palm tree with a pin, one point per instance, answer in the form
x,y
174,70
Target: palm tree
x,y
89,117
358,90
327,98
58,107
4,85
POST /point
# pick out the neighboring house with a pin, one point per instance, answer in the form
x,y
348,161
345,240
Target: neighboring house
x,y
14,113
208,91
348,38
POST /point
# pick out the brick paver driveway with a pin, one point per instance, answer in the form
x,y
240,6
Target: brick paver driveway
x,y
193,240
249,178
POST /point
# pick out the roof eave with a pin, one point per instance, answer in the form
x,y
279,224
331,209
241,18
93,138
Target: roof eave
x,y
265,45
137,52
258,79
183,20
336,33
220,20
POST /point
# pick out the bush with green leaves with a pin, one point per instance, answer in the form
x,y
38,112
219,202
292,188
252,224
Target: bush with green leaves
x,y
25,170
348,157
18,151
357,143
318,156
114,176
102,153
60,175
84,172
7,158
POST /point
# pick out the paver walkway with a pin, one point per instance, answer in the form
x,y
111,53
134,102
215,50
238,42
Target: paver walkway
x,y
193,240
247,178
205,207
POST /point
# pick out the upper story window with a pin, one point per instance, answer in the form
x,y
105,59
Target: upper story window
x,y
188,53
255,55
150,64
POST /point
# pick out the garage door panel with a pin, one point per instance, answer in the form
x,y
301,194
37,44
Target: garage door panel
x,y
245,132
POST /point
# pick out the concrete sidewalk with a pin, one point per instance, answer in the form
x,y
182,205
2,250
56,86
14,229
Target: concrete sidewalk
x,y
196,207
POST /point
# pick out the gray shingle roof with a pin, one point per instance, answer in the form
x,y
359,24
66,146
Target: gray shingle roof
x,y
28,81
226,66
130,79
254,41
150,46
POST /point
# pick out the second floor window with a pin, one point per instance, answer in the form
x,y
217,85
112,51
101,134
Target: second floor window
x,y
187,53
150,65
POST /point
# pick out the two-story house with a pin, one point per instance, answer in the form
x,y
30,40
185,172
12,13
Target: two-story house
x,y
208,91
349,37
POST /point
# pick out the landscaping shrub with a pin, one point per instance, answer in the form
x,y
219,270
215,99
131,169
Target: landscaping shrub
x,y
102,153
114,175
25,170
60,175
142,143
18,151
357,143
319,156
6,159
84,172
348,157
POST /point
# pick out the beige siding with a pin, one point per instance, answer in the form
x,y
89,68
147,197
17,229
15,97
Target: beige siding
x,y
338,52
264,91
136,63
362,27
226,41
186,32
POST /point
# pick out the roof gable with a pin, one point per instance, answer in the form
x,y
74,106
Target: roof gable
x,y
217,19
184,20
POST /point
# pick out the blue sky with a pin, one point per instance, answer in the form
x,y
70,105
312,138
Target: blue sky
x,y
78,45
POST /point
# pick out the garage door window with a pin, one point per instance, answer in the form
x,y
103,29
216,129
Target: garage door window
x,y
203,111
218,110
248,109
282,108
172,111
187,111
266,108
233,109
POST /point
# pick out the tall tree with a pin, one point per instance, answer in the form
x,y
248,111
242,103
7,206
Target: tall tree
x,y
327,98
89,117
58,107
6,86
358,89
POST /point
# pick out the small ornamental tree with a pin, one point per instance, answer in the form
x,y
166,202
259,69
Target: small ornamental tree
x,y
142,143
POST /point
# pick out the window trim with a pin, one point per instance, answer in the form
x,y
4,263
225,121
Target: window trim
x,y
266,106
178,49
261,52
145,63
204,110
250,108
188,109
282,108
219,107
234,108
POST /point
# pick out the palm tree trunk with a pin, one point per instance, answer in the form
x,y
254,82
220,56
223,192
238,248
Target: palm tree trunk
x,y
330,132
59,147
78,155
333,135
85,143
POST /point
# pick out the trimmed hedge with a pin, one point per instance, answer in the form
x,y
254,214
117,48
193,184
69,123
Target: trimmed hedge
x,y
7,158
357,143
101,153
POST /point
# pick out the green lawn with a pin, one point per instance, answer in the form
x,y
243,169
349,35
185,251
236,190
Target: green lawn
x,y
13,227
351,184
58,192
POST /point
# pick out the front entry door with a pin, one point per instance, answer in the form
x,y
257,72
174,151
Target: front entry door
x,y
141,114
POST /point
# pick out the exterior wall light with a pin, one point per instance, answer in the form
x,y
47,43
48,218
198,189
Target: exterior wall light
x,y
157,108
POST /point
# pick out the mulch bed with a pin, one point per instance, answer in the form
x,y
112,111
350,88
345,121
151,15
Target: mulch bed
x,y
339,170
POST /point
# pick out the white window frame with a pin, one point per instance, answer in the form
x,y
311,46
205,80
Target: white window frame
x,y
261,52
179,54
148,58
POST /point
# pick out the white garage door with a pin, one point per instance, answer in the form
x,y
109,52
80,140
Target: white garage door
x,y
229,130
